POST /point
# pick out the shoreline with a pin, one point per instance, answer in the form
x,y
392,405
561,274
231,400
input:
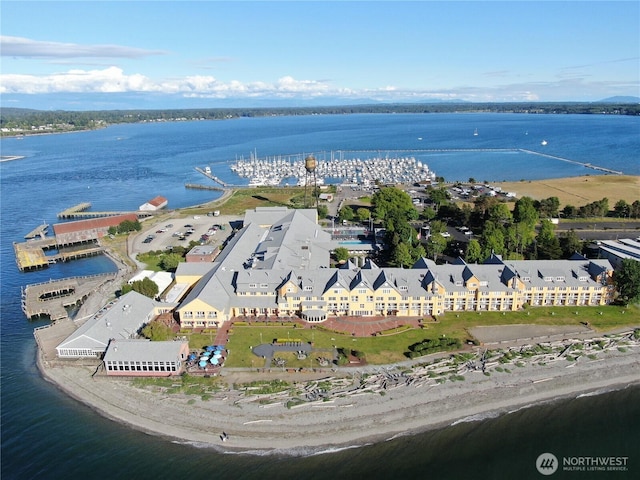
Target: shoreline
x,y
342,422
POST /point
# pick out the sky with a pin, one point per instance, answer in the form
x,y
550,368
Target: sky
x,y
87,55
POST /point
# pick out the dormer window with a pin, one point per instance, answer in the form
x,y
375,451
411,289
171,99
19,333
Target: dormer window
x,y
253,285
308,288
403,288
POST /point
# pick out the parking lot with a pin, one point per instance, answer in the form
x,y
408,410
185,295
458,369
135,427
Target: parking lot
x,y
179,231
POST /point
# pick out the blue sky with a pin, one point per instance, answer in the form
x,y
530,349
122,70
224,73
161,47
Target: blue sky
x,y
119,54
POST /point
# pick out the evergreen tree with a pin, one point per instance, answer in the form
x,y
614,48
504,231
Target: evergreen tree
x,y
627,281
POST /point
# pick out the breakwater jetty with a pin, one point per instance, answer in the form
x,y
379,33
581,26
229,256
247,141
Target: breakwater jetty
x,y
575,162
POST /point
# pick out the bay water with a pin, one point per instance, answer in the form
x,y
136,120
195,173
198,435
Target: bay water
x,y
47,435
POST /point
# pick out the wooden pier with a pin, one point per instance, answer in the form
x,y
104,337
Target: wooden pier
x,y
53,297
31,255
73,211
39,231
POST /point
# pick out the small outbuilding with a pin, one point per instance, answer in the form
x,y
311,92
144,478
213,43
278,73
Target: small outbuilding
x,y
154,204
202,253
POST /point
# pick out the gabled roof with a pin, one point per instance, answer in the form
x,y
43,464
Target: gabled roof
x,y
370,265
93,223
360,281
384,279
157,201
494,260
336,280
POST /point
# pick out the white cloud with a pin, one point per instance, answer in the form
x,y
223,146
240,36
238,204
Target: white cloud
x,y
26,47
110,80
115,80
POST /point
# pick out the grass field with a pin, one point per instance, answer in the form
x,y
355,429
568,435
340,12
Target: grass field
x,y
236,202
579,191
382,350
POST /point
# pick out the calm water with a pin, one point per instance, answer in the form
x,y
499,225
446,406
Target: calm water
x,y
48,435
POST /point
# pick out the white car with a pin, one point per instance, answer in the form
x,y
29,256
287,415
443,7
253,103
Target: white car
x,y
445,234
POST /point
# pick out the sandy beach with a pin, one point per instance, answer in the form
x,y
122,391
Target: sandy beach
x,y
258,423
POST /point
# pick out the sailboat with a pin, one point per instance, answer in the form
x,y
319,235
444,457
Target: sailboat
x,y
475,132
543,143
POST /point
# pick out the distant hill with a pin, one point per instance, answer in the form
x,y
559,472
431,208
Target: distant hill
x,y
620,99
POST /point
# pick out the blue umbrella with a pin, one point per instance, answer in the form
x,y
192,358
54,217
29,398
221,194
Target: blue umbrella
x,y
210,348
203,364
217,352
192,356
214,361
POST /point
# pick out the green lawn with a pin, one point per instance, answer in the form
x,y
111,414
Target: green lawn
x,y
391,348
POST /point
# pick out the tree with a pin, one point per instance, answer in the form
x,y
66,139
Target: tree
x,y
401,256
627,280
548,245
525,212
390,200
500,213
363,214
323,211
346,213
170,261
570,243
474,251
492,239
569,211
157,331
146,287
622,209
439,196
342,254
548,208
436,245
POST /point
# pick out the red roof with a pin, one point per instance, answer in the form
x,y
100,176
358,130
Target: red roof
x,y
156,202
102,222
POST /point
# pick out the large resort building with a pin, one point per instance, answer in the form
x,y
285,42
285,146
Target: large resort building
x,y
277,265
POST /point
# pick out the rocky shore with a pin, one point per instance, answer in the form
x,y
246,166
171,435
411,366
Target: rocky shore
x,y
399,401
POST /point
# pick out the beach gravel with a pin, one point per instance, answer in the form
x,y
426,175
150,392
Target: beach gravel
x,y
343,420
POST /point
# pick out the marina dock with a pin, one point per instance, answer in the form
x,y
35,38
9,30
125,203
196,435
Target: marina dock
x,y
52,298
208,174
